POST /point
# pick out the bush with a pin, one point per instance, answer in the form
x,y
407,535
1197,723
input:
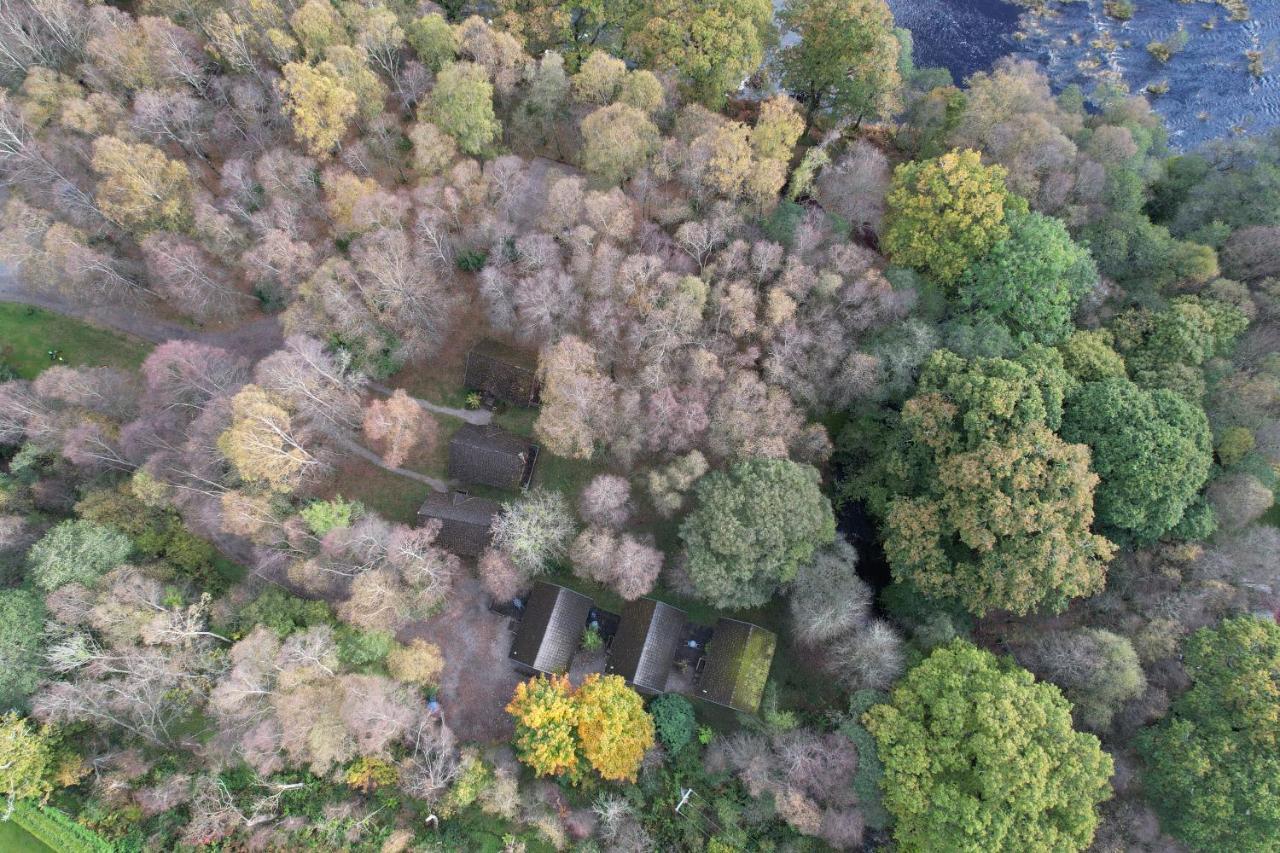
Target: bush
x,y
1211,764
77,551
361,649
673,720
22,641
57,831
282,613
472,260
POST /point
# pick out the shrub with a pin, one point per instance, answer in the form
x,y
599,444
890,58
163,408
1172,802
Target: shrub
x,y
77,551
673,720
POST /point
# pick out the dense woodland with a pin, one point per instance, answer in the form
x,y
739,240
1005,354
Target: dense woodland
x,y
1007,330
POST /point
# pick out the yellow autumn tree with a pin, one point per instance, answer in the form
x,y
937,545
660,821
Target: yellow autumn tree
x,y
947,212
419,662
141,190
614,730
546,719
263,443
777,129
319,105
560,730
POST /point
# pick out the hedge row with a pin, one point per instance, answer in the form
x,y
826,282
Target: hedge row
x,y
57,830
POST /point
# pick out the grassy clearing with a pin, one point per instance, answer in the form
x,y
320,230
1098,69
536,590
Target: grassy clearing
x,y
27,334
392,496
15,839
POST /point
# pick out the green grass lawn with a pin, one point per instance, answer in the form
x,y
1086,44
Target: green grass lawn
x,y
15,839
392,496
27,334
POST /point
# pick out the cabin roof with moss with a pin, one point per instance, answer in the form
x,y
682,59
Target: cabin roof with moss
x,y
464,520
739,656
491,456
504,372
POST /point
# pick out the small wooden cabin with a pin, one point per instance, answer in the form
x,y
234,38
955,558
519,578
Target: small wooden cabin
x,y
738,659
550,629
464,520
645,646
491,456
502,372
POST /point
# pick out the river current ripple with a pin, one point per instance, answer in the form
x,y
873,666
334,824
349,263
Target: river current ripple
x,y
1211,92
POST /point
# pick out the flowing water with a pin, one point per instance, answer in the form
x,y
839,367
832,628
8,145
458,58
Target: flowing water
x,y
1211,91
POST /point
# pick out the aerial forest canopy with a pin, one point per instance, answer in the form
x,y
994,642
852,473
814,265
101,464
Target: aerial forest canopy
x,y
942,418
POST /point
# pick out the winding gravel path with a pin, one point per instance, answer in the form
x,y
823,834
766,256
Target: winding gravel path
x,y
477,416
373,458
253,339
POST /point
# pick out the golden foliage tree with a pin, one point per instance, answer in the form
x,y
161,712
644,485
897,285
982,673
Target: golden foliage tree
x,y
419,662
617,141
546,717
614,729
946,213
141,190
602,723
319,105
263,443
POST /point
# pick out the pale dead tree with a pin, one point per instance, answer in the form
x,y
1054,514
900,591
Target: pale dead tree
x,y
426,567
433,763
871,658
508,180
378,712
89,445
321,386
214,813
145,691
433,236
101,390
187,374
606,501
700,238
184,272
96,273
281,258
21,410
828,599
23,161
400,285
177,54
164,117
40,32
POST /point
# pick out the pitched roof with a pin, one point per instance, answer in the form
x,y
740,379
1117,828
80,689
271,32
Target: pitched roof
x,y
464,520
505,372
645,645
491,456
551,628
738,660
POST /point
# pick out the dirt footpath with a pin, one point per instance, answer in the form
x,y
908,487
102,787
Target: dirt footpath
x,y
477,681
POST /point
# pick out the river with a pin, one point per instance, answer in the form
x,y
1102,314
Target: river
x,y
1211,92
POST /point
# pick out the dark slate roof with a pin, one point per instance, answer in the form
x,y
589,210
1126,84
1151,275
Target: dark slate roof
x,y
491,456
551,628
464,520
507,373
738,660
645,645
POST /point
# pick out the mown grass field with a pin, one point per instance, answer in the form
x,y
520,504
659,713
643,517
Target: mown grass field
x,y
15,839
28,334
